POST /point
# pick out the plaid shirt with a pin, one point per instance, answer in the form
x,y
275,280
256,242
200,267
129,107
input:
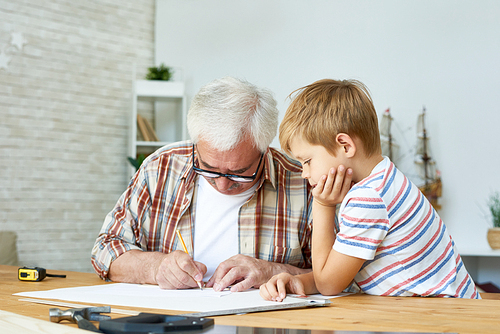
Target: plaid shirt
x,y
274,224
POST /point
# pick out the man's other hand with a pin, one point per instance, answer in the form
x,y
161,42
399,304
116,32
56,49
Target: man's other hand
x,y
242,272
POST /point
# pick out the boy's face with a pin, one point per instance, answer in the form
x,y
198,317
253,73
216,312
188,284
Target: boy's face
x,y
315,159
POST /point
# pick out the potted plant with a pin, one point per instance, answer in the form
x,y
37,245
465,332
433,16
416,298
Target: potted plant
x,y
161,72
494,232
137,162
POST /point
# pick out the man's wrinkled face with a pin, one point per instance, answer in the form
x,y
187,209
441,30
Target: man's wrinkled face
x,y
241,160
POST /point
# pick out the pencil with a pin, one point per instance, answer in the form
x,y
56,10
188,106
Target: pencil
x,y
186,251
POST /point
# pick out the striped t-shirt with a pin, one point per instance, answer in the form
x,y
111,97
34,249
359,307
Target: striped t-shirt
x,y
386,220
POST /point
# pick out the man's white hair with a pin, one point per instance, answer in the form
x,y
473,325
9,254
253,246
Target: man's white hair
x,y
228,110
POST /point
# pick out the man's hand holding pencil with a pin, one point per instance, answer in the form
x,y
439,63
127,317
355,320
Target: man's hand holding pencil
x,y
178,270
197,277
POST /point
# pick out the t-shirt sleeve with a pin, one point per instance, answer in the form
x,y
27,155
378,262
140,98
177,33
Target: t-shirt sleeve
x,y
363,224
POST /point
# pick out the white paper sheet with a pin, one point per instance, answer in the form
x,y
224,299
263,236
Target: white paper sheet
x,y
151,296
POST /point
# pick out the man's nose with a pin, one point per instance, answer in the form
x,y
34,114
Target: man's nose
x,y
223,183
305,174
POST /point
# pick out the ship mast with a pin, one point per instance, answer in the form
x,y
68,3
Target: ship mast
x,y
432,180
425,157
390,136
389,147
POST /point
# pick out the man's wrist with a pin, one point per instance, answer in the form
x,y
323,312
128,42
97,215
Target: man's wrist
x,y
288,268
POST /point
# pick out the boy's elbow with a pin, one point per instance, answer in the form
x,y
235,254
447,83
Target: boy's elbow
x,y
329,288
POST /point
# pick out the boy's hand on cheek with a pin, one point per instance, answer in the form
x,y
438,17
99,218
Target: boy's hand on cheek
x,y
332,188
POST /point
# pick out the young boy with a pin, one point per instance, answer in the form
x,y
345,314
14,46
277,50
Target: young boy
x,y
390,240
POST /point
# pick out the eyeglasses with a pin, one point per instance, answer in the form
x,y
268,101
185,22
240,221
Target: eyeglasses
x,y
234,178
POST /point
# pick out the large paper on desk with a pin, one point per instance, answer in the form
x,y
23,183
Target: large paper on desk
x,y
151,296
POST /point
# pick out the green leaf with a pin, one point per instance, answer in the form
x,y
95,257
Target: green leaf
x,y
494,204
161,72
137,162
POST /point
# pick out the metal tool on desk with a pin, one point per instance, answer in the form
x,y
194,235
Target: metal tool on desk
x,y
138,324
81,316
145,323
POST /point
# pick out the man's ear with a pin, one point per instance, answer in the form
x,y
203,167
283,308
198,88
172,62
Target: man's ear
x,y
347,145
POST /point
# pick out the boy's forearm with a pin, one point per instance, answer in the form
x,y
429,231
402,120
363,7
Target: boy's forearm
x,y
332,271
323,235
328,276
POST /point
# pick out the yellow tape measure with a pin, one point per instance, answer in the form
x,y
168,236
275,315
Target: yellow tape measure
x,y
34,274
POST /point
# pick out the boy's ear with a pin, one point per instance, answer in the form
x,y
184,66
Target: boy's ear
x,y
346,144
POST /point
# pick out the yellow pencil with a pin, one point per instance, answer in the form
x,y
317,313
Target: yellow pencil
x,y
186,251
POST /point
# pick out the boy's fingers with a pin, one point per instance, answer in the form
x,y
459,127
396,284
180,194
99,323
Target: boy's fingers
x,y
320,185
281,290
330,180
339,179
264,293
297,287
271,290
347,182
321,182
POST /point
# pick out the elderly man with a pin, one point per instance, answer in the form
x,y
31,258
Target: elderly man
x,y
241,207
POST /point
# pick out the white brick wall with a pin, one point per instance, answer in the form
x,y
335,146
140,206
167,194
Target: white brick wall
x,y
65,99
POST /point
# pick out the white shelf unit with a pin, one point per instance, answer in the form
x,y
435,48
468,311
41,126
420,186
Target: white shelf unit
x,y
169,115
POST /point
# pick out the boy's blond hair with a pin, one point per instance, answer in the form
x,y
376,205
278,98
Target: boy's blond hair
x,y
328,107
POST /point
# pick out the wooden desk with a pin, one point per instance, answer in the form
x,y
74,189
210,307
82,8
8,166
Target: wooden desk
x,y
351,313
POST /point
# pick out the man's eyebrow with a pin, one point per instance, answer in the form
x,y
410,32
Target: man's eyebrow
x,y
207,166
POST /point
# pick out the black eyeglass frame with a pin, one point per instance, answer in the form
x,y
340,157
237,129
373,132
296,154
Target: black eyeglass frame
x,y
232,177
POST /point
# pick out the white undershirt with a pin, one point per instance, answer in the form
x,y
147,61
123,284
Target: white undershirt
x,y
216,225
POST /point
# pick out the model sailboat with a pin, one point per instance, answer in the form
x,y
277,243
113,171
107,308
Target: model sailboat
x,y
426,165
389,146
